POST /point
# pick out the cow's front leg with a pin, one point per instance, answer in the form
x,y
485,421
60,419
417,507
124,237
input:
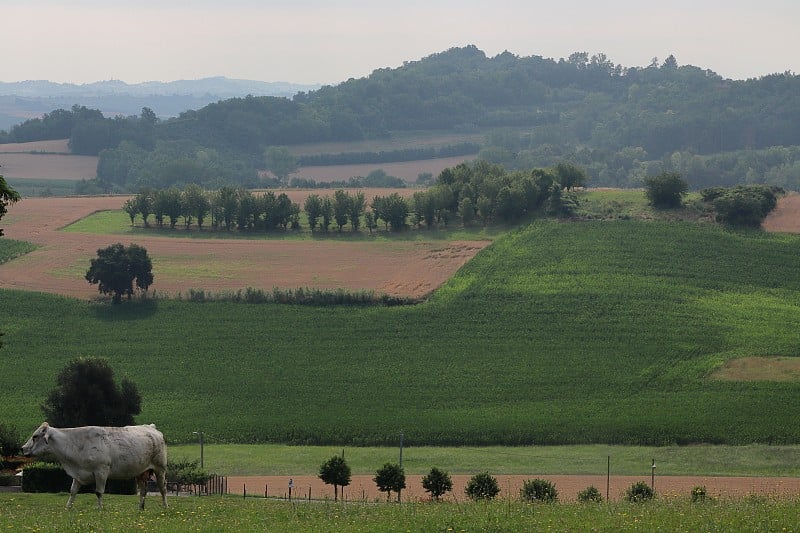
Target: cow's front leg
x,y
99,489
73,490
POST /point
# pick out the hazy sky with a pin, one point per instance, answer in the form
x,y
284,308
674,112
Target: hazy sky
x,y
312,41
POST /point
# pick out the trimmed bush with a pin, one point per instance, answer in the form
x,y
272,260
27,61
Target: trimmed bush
x,y
482,487
8,480
437,483
639,492
590,494
538,490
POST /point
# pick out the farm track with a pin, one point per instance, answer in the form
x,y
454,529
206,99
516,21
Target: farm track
x,y
363,487
407,269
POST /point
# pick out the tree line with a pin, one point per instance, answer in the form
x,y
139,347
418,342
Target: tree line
x,y
388,156
469,193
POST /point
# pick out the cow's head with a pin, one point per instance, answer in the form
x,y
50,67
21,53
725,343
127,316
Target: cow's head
x,y
39,442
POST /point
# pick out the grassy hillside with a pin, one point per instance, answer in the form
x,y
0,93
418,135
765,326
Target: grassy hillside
x,y
593,332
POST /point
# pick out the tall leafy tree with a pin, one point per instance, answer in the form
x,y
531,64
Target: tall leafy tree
x,y
341,207
86,394
280,161
116,268
335,471
313,209
357,205
7,196
570,175
195,203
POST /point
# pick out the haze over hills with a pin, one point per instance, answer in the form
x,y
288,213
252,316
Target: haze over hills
x,y
22,100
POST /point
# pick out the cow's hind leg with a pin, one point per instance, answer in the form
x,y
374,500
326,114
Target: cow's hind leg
x,y
161,480
73,490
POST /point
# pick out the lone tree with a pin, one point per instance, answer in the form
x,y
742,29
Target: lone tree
x,y
87,395
390,477
437,482
280,161
335,471
7,196
117,267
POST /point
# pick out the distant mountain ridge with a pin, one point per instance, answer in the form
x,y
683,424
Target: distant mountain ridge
x,y
22,100
218,86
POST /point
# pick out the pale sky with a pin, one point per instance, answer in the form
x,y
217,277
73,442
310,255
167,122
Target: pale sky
x,y
312,41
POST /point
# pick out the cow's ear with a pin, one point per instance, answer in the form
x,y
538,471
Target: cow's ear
x,y
46,435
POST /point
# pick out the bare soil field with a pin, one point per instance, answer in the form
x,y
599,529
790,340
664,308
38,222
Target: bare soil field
x,y
407,170
55,147
47,166
398,268
786,217
759,369
363,488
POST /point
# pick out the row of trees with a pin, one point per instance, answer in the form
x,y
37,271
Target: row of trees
x,y
469,193
627,167
483,486
227,207
389,478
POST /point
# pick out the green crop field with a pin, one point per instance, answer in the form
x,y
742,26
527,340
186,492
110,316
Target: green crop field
x,y
45,512
558,333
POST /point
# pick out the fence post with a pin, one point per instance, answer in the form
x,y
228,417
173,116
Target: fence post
x,y
244,490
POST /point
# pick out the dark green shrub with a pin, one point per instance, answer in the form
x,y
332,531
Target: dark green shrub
x,y
746,205
590,494
639,492
7,480
49,477
666,191
10,441
538,490
482,487
186,472
699,494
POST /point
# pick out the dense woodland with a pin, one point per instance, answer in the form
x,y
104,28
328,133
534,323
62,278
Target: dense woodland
x,y
621,124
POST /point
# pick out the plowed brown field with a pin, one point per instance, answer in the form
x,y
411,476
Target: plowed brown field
x,y
410,269
786,217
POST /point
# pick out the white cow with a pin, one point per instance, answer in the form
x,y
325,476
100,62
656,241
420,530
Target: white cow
x,y
93,454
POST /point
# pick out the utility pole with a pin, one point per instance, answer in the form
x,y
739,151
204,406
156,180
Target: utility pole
x,y
200,435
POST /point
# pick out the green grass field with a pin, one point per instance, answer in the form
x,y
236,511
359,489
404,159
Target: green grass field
x,y
117,222
45,512
699,460
29,187
558,333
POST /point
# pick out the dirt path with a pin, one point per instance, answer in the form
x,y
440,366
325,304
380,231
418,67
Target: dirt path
x,y
362,487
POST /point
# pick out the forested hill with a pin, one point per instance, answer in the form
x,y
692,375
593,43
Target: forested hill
x,y
580,100
619,123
